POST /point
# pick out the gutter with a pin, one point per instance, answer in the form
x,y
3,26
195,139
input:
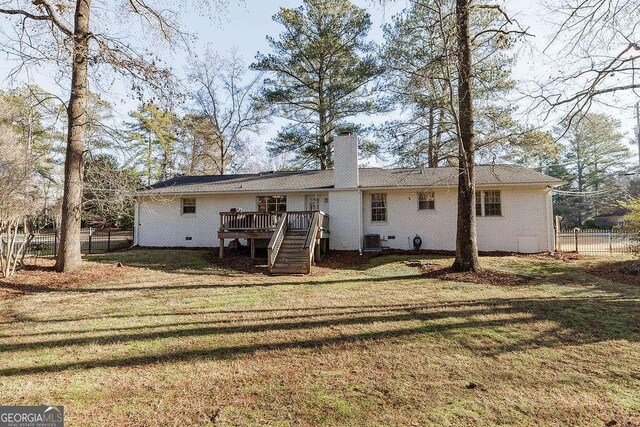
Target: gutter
x,y
325,189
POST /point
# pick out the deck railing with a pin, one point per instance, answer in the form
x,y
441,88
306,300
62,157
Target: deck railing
x,y
310,243
276,240
267,221
233,221
324,222
299,220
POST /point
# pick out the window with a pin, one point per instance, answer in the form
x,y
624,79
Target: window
x,y
188,206
378,207
492,205
313,203
488,203
272,203
426,201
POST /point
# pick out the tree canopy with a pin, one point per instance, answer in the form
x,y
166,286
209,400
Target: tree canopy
x,y
320,74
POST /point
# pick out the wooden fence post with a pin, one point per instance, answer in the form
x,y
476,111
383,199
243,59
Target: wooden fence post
x,y
575,234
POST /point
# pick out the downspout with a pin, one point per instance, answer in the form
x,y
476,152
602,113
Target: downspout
x,y
551,244
361,223
136,223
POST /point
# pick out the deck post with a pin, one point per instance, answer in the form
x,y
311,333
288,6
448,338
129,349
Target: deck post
x,y
253,248
221,248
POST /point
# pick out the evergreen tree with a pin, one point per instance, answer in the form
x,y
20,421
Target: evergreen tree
x,y
321,70
420,53
152,136
197,146
593,156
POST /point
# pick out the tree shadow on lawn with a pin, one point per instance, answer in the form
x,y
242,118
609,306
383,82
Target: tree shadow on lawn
x,y
185,261
577,321
358,309
205,261
313,282
558,274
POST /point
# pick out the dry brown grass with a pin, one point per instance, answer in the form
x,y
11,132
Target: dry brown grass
x,y
178,340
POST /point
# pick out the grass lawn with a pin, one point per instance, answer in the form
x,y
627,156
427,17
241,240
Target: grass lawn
x,y
180,341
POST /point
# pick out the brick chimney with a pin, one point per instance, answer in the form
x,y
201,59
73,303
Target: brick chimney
x,y
345,165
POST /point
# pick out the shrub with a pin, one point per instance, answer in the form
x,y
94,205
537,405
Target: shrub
x,y
632,223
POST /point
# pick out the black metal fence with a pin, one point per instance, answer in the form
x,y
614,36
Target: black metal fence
x,y
595,241
92,241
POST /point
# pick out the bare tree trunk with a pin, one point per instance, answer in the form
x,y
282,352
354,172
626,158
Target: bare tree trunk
x,y
430,148
165,164
223,156
466,238
438,139
69,257
149,158
322,136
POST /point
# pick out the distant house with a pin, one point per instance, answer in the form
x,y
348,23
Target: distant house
x,y
611,219
299,215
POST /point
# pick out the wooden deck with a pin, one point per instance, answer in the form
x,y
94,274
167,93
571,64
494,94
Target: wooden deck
x,y
271,226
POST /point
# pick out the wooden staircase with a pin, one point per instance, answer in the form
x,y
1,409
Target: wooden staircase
x,y
292,256
295,243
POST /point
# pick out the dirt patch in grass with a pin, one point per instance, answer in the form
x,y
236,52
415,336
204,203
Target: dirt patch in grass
x,y
563,256
41,277
485,277
342,259
627,272
238,262
339,259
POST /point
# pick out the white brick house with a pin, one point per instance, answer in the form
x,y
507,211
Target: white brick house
x,y
514,206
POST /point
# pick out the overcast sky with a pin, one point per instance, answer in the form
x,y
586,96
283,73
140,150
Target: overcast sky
x,y
244,25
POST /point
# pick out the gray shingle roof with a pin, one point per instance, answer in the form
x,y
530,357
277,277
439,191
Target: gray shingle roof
x,y
369,178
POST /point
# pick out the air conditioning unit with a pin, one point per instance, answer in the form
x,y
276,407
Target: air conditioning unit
x,y
372,242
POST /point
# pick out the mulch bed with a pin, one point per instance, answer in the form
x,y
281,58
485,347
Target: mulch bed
x,y
627,272
485,277
43,278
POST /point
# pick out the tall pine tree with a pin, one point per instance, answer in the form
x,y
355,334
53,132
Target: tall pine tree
x,y
321,71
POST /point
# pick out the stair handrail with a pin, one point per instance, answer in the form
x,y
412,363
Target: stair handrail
x,y
276,240
310,242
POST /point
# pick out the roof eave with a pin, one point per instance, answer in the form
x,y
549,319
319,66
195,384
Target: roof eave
x,y
326,189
